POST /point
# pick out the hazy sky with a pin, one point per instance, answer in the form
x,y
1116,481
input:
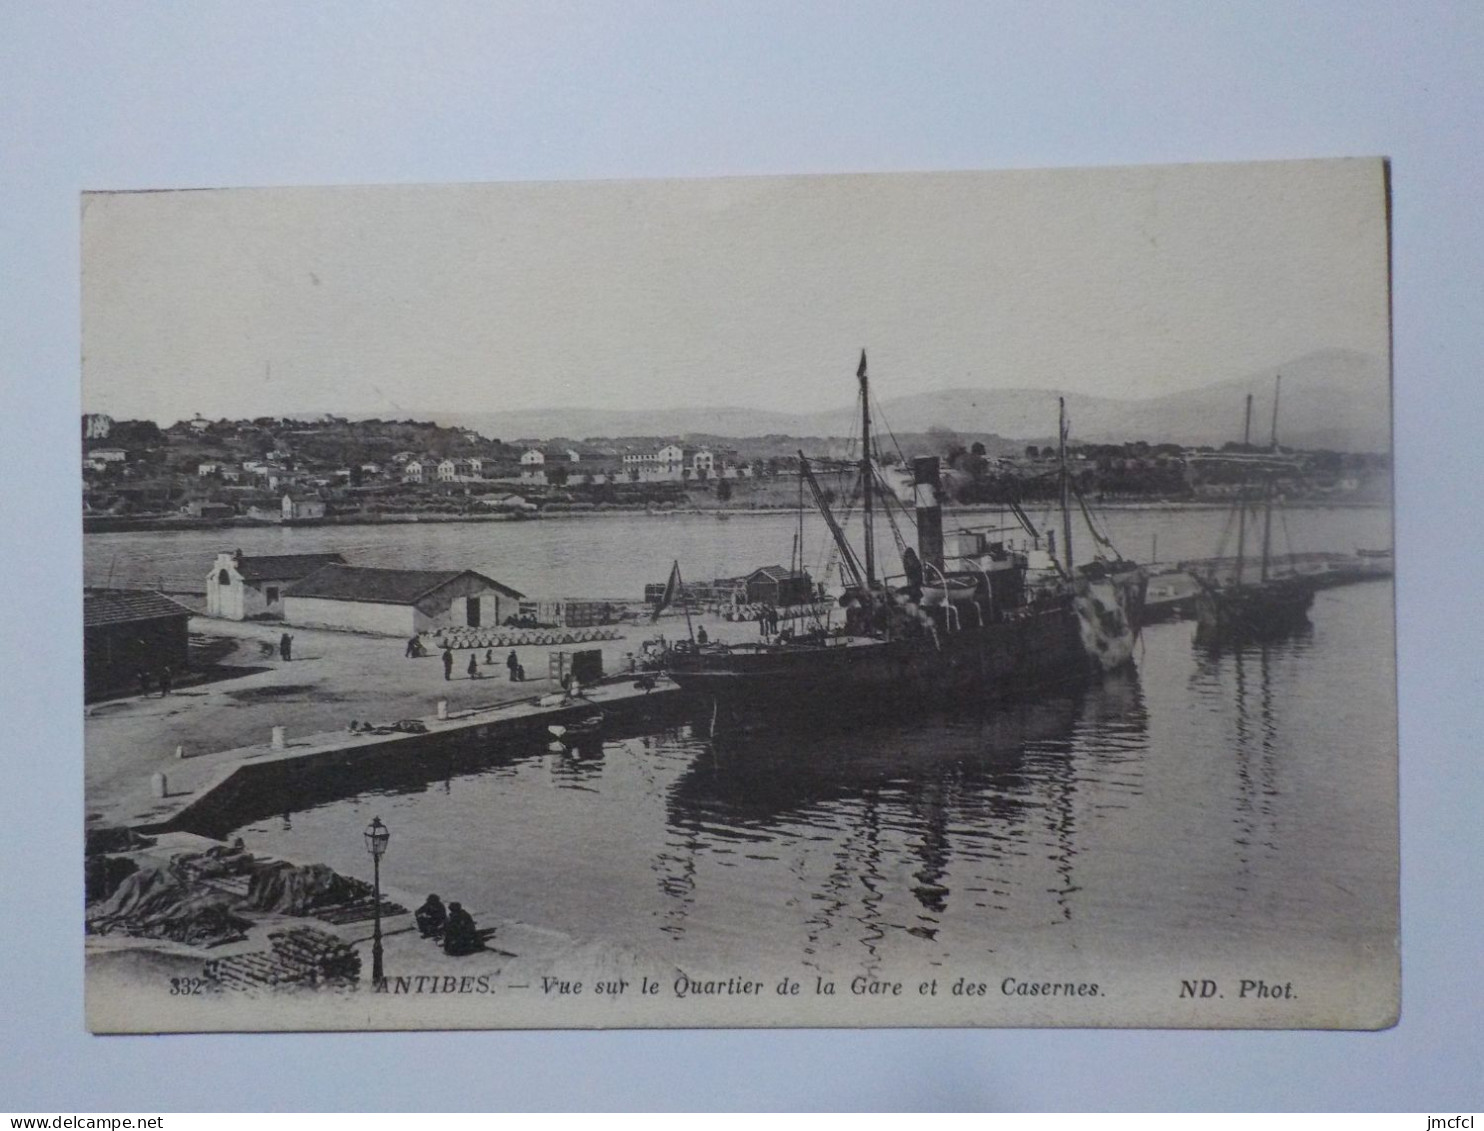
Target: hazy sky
x,y
755,292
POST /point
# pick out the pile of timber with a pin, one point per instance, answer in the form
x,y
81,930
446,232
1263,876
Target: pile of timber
x,y
300,955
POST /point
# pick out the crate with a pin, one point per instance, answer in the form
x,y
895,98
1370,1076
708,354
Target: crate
x,y
586,666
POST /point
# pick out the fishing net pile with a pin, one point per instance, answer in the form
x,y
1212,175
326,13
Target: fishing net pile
x,y
290,889
200,898
157,902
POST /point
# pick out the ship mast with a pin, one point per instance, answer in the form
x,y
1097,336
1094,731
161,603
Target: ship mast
x,y
1066,486
1267,518
867,518
847,555
1242,497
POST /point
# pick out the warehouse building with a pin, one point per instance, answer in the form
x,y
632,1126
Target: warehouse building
x,y
397,602
127,632
239,587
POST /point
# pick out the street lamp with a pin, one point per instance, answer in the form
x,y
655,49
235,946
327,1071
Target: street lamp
x,y
377,836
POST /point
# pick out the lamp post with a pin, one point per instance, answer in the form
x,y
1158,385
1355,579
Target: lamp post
x,y
377,836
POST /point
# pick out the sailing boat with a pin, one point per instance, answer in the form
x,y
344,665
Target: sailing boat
x,y
981,624
1237,609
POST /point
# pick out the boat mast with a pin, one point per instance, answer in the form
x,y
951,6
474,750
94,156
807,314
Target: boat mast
x,y
1267,518
1066,485
848,560
867,518
1242,497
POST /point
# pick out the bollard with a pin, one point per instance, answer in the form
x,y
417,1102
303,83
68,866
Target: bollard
x,y
180,751
158,785
443,708
278,738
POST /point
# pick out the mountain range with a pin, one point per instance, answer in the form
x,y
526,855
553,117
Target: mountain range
x,y
1335,399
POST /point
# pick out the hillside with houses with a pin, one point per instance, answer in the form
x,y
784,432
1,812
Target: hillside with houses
x,y
332,469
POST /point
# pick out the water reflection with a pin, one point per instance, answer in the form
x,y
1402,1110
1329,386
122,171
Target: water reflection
x,y
1241,685
904,828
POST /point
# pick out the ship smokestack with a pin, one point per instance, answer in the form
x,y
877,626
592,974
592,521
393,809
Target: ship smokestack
x,y
927,490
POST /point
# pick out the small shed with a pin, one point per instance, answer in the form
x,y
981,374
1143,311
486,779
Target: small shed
x,y
774,585
125,632
397,602
239,587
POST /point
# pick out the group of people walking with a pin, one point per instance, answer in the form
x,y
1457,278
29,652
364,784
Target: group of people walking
x,y
512,664
451,926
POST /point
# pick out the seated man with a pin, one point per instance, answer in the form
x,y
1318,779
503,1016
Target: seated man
x,y
431,918
459,935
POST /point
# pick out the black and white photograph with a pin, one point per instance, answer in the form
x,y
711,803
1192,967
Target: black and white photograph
x,y
910,599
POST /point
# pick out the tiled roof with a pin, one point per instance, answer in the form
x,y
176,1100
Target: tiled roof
x,y
284,567
383,586
123,606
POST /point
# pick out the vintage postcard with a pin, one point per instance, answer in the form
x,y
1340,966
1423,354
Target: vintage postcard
x,y
957,599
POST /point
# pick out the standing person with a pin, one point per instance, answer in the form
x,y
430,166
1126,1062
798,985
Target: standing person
x,y
167,680
286,646
701,636
411,649
473,665
512,662
447,662
145,682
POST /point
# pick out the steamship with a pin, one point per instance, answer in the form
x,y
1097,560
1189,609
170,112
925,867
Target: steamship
x,y
991,619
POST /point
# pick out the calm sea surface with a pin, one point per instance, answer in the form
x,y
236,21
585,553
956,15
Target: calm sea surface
x,y
615,555
1244,797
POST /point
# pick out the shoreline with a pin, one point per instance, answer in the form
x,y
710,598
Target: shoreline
x,y
169,524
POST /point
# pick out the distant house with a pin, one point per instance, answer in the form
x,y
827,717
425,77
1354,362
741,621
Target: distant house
x,y
397,602
207,469
508,502
774,585
532,457
204,508
573,455
413,471
96,426
239,587
109,455
474,465
199,423
125,632
301,508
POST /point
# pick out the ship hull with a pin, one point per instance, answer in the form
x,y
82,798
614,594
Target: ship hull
x,y
863,678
